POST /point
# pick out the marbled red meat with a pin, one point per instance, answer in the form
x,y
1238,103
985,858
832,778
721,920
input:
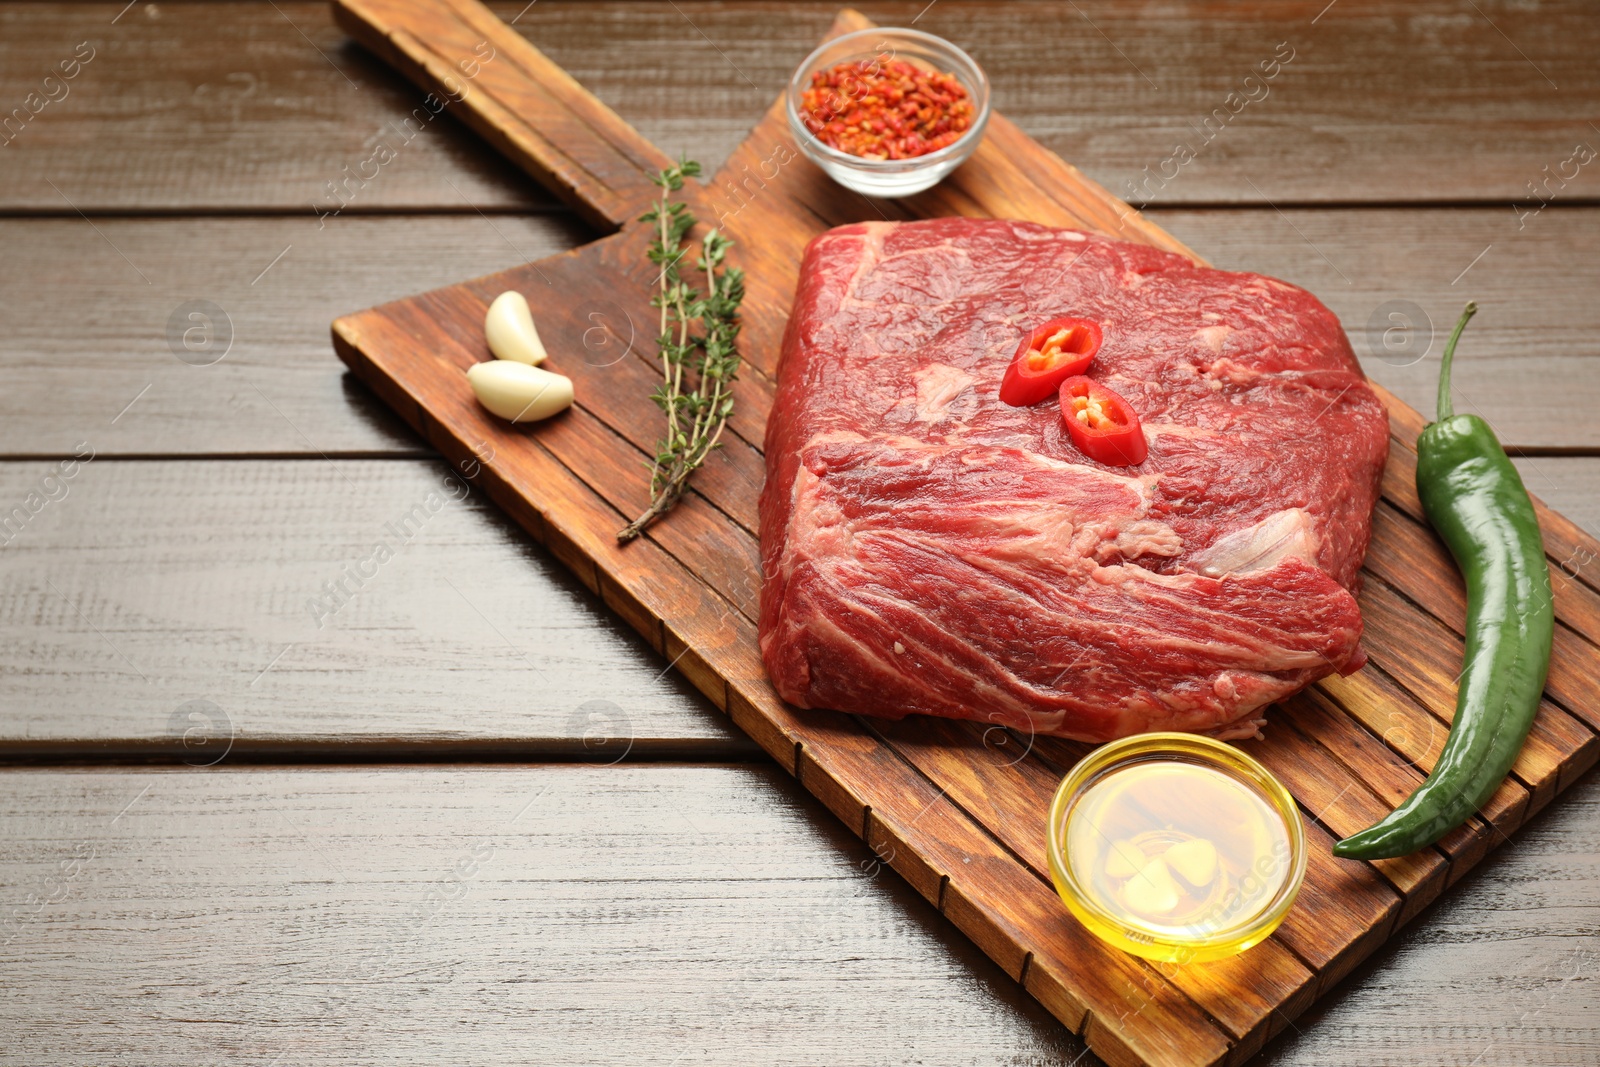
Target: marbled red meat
x,y
928,549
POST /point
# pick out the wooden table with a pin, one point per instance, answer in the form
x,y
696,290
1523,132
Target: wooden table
x,y
272,800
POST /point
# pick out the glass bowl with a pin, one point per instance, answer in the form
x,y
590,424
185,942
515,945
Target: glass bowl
x,y
890,177
1246,899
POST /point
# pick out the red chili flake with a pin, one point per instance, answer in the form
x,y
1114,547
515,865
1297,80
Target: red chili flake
x,y
885,109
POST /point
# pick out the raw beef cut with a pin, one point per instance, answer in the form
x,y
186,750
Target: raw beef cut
x,y
928,549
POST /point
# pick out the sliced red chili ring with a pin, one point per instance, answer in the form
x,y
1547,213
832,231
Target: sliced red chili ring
x,y
1053,352
1102,424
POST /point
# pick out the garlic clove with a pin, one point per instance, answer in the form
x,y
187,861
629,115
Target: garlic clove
x,y
510,330
1195,861
1152,890
1124,858
519,392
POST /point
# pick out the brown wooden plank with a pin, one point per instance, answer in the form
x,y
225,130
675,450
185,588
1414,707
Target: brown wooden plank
x,y
153,584
1056,195
1331,796
1344,912
1403,550
1005,910
756,920
1408,271
280,341
1573,552
529,109
115,381
227,105
1392,715
1423,656
1316,715
224,107
1129,1013
1488,973
317,914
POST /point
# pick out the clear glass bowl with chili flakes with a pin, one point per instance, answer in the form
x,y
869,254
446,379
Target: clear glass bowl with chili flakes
x,y
888,112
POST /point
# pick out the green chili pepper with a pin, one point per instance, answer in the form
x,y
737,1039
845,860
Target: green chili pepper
x,y
1474,499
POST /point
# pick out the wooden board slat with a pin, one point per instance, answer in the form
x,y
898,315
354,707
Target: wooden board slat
x,y
1398,729
1404,549
1390,778
1331,796
1420,654
954,821
246,106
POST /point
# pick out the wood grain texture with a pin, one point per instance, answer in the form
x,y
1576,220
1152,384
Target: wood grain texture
x,y
616,915
1568,485
250,914
533,112
236,591
919,789
223,107
229,106
1526,1006
1531,360
346,607
1398,279
1501,971
115,378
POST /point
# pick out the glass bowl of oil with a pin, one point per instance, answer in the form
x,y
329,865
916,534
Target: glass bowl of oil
x,y
1176,847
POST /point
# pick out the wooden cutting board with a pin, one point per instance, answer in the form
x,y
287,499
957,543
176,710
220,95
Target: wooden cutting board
x,y
955,808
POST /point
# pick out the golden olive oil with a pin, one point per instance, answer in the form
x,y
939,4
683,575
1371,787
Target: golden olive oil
x,y
1178,852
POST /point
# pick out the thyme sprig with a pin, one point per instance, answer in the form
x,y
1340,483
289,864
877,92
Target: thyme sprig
x,y
698,370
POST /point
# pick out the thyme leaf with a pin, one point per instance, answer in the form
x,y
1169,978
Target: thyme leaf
x,y
698,368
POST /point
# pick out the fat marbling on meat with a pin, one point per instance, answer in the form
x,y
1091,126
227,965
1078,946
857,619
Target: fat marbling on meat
x,y
928,549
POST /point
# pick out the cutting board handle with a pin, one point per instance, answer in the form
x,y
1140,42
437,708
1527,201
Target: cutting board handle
x,y
486,74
